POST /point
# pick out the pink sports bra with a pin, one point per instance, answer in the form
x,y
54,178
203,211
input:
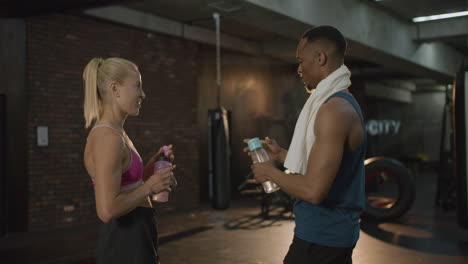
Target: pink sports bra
x,y
133,175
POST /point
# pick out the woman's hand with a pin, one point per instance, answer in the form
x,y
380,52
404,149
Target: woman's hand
x,y
149,167
161,181
171,153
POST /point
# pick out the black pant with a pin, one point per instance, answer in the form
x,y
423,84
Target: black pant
x,y
303,252
129,239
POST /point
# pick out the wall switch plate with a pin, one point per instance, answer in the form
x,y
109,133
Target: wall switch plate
x,y
43,136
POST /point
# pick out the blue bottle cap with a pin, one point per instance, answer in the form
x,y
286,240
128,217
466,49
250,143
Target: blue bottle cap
x,y
254,144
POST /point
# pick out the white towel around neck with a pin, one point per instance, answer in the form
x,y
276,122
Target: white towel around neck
x,y
304,137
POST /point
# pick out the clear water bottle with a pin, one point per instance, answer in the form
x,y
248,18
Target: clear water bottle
x,y
259,155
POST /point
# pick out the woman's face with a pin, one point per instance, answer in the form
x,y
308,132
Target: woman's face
x,y
131,94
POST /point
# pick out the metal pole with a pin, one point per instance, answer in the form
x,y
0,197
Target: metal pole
x,y
216,17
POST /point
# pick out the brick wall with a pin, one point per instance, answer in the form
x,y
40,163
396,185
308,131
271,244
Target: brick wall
x,y
58,48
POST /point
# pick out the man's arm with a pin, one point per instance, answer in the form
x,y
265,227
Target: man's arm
x,y
282,155
332,127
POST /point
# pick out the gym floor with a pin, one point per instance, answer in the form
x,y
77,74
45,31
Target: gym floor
x,y
426,234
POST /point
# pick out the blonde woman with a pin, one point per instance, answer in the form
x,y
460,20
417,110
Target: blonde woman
x,y
122,186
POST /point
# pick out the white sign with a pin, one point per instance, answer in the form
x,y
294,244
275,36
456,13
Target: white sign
x,y
382,127
42,136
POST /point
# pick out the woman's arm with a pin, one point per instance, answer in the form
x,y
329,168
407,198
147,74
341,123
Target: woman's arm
x,y
108,153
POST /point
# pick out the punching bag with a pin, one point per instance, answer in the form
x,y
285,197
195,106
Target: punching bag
x,y
219,152
460,97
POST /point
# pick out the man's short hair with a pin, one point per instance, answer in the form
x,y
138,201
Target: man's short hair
x,y
327,33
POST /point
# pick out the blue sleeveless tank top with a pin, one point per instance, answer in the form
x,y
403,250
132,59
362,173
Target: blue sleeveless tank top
x,y
335,222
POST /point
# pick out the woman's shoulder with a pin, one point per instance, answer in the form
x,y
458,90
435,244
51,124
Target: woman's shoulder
x,y
105,138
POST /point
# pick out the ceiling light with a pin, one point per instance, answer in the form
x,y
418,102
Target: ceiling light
x,y
441,16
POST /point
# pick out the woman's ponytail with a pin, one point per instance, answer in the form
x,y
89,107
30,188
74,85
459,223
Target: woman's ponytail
x,y
92,99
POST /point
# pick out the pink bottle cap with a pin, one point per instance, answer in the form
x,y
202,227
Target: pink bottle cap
x,y
166,151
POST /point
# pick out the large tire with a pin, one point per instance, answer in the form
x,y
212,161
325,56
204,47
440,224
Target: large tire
x,y
403,179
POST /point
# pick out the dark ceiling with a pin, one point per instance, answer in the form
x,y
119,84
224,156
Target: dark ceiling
x,y
199,13
24,8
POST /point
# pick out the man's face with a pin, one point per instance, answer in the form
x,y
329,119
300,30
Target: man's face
x,y
309,68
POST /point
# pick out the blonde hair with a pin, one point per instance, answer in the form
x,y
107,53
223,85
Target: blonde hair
x,y
97,73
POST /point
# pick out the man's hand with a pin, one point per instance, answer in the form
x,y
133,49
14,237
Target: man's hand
x,y
263,171
275,152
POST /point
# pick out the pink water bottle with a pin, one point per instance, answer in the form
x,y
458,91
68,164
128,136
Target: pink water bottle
x,y
162,162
